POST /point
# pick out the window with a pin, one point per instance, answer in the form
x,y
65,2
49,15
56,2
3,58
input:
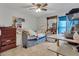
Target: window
x,y
66,25
62,24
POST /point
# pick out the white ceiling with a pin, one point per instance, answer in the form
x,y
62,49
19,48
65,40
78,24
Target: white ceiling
x,y
53,8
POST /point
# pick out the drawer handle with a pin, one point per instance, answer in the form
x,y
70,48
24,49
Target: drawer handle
x,y
0,32
8,41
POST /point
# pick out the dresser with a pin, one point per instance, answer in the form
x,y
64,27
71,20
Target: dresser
x,y
7,38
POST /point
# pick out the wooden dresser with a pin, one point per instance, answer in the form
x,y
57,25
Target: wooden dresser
x,y
7,38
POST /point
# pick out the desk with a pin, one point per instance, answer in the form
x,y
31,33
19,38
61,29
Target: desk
x,y
59,49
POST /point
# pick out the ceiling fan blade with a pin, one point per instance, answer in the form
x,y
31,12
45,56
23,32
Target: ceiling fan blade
x,y
44,4
36,5
33,3
44,9
29,8
26,6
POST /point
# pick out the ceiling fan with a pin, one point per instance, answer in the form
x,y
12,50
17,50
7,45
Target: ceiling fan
x,y
39,7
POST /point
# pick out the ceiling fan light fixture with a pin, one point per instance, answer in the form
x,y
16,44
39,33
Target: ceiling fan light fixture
x,y
38,10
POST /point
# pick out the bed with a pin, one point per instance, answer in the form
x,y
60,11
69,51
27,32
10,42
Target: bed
x,y
33,39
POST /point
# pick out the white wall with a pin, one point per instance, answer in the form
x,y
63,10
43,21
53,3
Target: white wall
x,y
6,18
42,25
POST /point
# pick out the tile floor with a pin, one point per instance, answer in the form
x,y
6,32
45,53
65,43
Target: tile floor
x,y
38,50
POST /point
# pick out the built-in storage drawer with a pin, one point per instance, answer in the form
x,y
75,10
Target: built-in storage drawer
x,y
8,32
8,38
8,47
7,42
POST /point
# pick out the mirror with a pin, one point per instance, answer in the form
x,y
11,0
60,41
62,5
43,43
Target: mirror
x,y
52,24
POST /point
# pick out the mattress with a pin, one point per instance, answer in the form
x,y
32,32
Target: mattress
x,y
40,36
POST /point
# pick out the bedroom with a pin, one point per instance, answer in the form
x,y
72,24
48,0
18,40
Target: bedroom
x,y
32,21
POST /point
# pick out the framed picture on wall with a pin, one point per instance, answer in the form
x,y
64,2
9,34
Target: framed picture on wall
x,y
17,22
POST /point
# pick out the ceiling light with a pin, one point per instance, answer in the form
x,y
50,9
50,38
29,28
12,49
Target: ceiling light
x,y
38,10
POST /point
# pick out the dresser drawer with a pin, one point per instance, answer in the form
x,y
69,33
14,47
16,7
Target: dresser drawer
x,y
7,42
8,38
4,48
8,34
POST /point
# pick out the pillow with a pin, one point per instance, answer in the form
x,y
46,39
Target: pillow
x,y
76,36
31,32
68,35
